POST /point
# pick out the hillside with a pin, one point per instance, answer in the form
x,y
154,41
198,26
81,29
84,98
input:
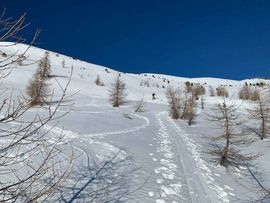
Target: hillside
x,y
152,158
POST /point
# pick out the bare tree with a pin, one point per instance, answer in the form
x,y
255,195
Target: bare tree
x,y
249,93
28,158
181,107
244,93
189,110
196,91
11,30
117,92
174,102
232,136
139,106
261,113
254,94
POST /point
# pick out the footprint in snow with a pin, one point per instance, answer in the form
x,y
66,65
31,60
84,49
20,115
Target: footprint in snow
x,y
160,181
151,194
160,201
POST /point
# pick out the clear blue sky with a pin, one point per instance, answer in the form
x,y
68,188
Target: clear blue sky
x,y
227,39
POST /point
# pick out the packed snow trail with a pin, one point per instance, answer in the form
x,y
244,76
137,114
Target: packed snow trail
x,y
173,185
198,174
196,188
169,158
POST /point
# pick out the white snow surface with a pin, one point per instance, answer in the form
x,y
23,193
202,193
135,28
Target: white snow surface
x,y
160,160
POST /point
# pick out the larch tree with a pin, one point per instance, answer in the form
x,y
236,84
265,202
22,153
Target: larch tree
x,y
117,92
174,102
225,146
183,107
45,67
191,110
188,105
38,89
261,113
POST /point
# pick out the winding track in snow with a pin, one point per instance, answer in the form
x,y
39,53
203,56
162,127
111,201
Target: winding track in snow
x,y
197,176
134,129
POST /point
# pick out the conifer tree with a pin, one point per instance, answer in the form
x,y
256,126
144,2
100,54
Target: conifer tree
x,y
45,67
117,92
37,89
226,145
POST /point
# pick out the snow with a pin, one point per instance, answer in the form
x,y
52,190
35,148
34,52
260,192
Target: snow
x,y
168,155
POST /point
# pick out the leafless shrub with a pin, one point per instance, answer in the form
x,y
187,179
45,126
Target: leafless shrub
x,y
139,106
222,92
244,93
11,31
181,106
254,95
174,102
197,90
28,158
145,83
98,81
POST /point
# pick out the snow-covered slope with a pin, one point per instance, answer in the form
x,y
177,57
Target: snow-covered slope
x,y
84,75
161,160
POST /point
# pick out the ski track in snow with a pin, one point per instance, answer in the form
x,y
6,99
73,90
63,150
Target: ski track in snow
x,y
199,167
125,131
170,185
175,158
69,135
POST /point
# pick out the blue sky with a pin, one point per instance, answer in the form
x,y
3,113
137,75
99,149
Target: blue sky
x,y
227,39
